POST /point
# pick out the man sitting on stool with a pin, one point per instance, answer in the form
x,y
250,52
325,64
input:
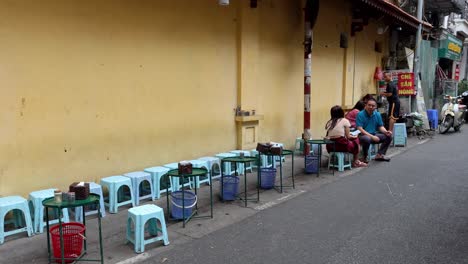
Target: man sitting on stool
x,y
369,123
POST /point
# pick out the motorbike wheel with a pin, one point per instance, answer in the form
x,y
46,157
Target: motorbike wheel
x,y
446,124
461,121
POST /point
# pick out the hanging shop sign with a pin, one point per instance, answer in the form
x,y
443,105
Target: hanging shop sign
x,y
406,83
450,48
457,73
404,80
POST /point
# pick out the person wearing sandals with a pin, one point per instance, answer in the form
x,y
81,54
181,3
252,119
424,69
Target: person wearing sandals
x,y
369,123
338,130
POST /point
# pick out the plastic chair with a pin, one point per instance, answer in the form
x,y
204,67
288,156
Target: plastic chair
x,y
113,184
200,164
139,216
215,166
138,177
14,203
175,184
36,199
96,189
339,160
157,174
247,154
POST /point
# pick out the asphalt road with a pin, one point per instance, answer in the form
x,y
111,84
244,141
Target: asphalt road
x,y
413,209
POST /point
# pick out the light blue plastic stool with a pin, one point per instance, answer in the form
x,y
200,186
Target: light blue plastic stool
x,y
342,160
138,177
247,154
299,147
157,174
227,165
140,215
14,203
175,184
373,150
215,166
96,189
113,184
36,199
200,164
266,163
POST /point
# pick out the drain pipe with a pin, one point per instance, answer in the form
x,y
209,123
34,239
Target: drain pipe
x,y
311,13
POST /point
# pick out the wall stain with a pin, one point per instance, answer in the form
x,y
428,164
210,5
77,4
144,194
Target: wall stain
x,y
23,105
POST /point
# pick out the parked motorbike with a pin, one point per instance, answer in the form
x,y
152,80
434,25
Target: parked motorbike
x,y
452,114
464,101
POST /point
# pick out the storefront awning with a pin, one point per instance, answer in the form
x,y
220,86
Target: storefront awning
x,y
397,13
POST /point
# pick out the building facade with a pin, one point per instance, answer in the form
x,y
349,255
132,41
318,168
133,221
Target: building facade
x,y
98,88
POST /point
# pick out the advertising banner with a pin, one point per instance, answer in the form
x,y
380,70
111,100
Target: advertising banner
x,y
406,83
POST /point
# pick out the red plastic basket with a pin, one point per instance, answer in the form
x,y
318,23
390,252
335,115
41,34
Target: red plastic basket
x,y
73,236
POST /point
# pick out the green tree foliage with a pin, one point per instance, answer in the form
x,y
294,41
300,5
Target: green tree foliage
x,y
462,86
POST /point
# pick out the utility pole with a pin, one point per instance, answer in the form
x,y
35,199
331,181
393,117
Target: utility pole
x,y
417,53
311,13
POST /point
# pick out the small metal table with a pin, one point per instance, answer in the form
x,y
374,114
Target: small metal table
x,y
285,152
321,142
182,177
51,203
243,160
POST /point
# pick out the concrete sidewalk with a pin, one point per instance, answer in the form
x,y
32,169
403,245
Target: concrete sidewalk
x,y
21,249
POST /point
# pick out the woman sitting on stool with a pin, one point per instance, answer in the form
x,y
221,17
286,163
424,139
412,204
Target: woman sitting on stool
x,y
351,115
338,130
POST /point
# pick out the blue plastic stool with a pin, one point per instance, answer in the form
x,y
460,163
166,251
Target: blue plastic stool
x,y
342,160
200,164
113,184
36,199
96,189
433,116
138,177
14,203
139,216
157,174
215,166
175,184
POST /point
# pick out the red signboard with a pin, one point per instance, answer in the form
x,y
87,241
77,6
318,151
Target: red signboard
x,y
406,84
457,73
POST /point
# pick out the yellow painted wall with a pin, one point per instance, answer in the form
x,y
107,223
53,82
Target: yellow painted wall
x,y
98,88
